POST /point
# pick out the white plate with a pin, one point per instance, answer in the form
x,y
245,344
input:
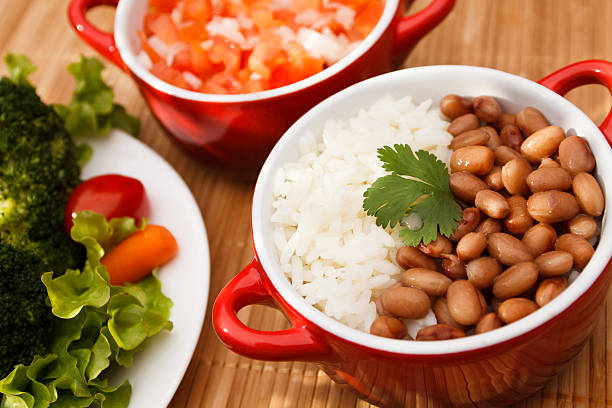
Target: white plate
x,y
160,366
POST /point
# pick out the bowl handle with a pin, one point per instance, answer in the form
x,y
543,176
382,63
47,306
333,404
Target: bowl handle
x,y
583,73
101,41
411,29
248,288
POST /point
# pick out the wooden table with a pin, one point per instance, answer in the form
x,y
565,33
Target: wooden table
x,y
530,38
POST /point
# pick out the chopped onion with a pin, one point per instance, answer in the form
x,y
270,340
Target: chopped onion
x,y
158,46
244,21
173,50
326,45
227,27
345,16
192,80
308,17
286,34
144,60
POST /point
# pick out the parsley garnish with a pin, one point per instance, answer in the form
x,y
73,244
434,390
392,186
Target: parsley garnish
x,y
418,183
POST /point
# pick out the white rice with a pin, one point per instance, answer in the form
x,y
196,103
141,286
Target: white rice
x,y
332,252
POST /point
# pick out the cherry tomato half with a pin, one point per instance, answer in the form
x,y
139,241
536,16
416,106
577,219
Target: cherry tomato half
x,y
111,195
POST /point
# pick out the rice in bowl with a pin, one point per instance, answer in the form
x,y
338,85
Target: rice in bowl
x,y
335,255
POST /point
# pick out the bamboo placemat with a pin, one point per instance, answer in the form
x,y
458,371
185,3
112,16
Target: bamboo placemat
x,y
530,38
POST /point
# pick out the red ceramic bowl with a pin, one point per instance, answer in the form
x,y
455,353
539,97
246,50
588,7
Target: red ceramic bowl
x,y
491,369
236,132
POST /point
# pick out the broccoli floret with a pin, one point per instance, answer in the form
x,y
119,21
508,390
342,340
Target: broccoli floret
x,y
38,170
26,322
38,162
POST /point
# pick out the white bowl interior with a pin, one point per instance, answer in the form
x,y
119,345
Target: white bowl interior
x,y
422,83
130,15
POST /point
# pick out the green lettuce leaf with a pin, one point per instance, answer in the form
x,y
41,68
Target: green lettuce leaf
x,y
101,325
20,67
92,110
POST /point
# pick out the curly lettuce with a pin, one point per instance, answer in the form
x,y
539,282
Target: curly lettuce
x,y
100,325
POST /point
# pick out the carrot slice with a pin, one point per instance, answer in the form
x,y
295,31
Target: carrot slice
x,y
137,255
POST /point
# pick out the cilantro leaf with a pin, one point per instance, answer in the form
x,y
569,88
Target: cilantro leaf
x,y
418,184
92,110
19,67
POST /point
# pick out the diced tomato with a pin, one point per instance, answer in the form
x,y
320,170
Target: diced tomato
x,y
163,27
225,52
366,19
169,74
199,10
164,6
195,60
153,56
265,56
264,18
193,32
304,64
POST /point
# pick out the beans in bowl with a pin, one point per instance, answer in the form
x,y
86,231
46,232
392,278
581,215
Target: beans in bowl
x,y
530,220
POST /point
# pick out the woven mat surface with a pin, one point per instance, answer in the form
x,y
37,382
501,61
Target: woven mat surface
x,y
530,38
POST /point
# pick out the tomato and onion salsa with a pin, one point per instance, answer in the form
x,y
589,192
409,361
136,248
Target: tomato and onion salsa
x,y
242,46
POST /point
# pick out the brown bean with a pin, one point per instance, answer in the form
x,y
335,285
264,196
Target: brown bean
x,y
471,246
463,123
476,137
437,247
410,303
583,225
550,289
431,282
511,136
540,238
440,309
492,203
515,280
530,120
494,179
488,322
487,108
489,226
474,159
549,178
542,143
514,176
380,310
484,307
578,247
411,257
552,206
548,162
514,309
554,263
503,154
518,220
588,194
494,140
507,249
439,332
504,120
454,106
483,271
469,221
387,326
463,302
575,155
465,185
453,267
